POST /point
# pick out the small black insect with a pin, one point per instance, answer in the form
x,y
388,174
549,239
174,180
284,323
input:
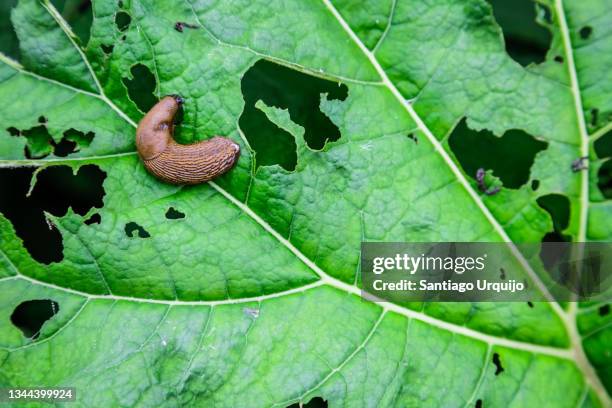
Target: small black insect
x,y
180,25
482,186
580,163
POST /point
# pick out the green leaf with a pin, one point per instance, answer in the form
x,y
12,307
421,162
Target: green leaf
x,y
252,298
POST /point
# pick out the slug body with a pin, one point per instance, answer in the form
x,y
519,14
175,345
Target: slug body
x,y
176,163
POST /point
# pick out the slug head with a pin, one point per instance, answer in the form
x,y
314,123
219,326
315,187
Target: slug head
x,y
177,163
155,130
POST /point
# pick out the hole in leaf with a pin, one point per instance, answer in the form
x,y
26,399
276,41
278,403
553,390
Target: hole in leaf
x,y
56,189
64,147
502,274
80,138
585,32
107,49
558,206
413,137
594,117
72,141
94,219
13,131
78,14
122,20
604,179
297,92
478,404
173,214
535,184
603,146
316,402
555,236
559,59
510,156
132,227
42,119
498,365
526,41
38,143
604,310
29,316
9,45
141,87
530,304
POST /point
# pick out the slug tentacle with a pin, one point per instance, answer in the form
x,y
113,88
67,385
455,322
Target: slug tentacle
x,y
176,163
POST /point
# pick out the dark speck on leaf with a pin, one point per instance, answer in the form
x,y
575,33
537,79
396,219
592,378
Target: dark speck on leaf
x,y
180,26
585,32
498,365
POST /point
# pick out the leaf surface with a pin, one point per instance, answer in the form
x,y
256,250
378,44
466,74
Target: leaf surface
x,y
252,299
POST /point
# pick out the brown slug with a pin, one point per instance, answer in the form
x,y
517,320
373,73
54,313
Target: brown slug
x,y
176,163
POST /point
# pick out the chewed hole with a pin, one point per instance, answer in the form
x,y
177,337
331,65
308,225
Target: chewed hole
x,y
478,404
594,117
558,59
56,190
585,32
141,88
535,184
413,137
530,304
509,156
13,131
604,310
299,93
29,316
38,143
527,41
316,402
558,206
122,20
603,145
107,49
94,219
174,214
604,179
132,227
64,147
72,141
498,365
